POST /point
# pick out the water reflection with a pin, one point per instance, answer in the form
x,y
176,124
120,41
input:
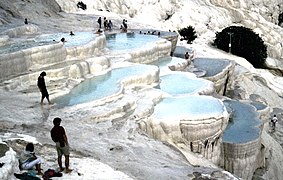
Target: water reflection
x,y
244,124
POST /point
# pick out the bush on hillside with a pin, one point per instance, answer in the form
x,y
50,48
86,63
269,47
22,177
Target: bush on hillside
x,y
244,43
280,19
188,34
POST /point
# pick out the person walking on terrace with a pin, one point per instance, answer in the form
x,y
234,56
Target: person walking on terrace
x,y
273,122
59,136
42,87
28,159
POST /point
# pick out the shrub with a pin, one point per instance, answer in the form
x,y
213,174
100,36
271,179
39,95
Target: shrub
x,y
244,43
280,19
188,34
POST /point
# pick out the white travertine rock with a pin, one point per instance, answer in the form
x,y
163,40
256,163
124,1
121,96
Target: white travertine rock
x,y
98,64
22,30
3,40
11,165
22,61
202,133
87,50
151,53
243,159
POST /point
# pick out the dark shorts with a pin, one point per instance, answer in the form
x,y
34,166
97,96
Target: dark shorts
x,y
44,93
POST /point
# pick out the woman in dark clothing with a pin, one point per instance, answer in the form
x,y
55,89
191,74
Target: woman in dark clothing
x,y
42,87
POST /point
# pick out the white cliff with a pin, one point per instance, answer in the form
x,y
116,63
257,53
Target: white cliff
x,y
115,137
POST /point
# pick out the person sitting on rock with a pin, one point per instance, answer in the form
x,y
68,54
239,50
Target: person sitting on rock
x,y
26,21
99,31
28,159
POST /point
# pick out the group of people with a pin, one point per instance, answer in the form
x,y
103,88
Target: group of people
x,y
107,24
28,159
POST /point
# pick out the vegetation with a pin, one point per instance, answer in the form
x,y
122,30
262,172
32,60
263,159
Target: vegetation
x,y
243,42
280,19
188,34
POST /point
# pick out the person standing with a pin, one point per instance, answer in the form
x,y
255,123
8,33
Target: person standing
x,y
42,87
28,159
59,136
99,22
274,121
110,24
105,23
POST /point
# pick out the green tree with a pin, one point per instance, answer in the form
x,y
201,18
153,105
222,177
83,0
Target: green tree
x,y
188,34
280,19
244,42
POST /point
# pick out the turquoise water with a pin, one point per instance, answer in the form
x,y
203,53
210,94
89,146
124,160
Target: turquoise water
x,y
243,125
14,47
196,107
102,86
180,84
128,41
211,66
80,38
259,106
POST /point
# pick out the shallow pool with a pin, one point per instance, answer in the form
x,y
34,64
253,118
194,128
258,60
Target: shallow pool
x,y
128,41
80,38
210,65
244,123
22,45
181,84
102,86
195,107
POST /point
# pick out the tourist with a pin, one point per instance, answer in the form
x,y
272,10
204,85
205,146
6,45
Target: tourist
x,y
59,136
71,33
273,122
99,22
99,31
123,29
63,40
28,159
105,23
26,21
125,25
110,25
42,87
187,55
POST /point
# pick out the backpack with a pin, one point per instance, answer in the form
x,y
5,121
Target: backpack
x,y
51,173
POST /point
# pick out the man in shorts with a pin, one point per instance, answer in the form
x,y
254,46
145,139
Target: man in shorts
x,y
42,87
59,136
